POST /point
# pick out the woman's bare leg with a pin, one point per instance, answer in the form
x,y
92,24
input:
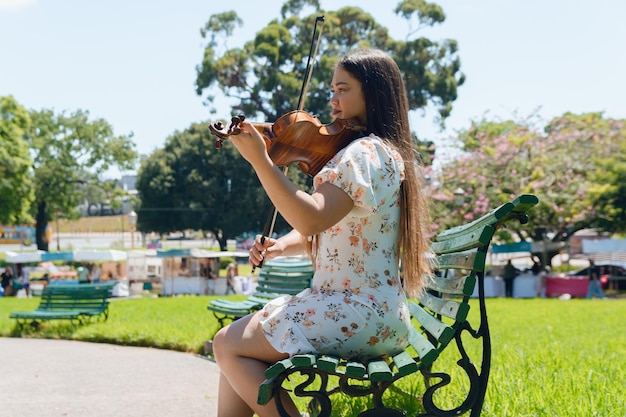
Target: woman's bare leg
x,y
242,353
229,402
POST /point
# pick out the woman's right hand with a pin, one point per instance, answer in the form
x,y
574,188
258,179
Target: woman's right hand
x,y
264,248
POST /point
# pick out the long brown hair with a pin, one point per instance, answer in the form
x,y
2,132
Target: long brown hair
x,y
387,109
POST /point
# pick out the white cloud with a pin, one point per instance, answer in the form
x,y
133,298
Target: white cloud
x,y
15,4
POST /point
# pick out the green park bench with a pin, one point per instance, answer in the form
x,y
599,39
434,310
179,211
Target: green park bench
x,y
78,303
277,277
439,315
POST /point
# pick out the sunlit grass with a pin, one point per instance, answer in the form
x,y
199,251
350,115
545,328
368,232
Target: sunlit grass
x,y
550,357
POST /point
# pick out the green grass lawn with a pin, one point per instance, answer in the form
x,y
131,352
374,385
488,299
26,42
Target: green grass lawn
x,y
550,357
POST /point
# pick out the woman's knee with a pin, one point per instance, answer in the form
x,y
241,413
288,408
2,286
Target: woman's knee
x,y
228,340
219,343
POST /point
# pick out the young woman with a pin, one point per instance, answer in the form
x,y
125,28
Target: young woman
x,y
366,212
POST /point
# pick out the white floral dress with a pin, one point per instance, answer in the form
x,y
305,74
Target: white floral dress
x,y
355,306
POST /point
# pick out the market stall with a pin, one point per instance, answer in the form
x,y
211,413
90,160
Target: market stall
x,y
186,271
574,286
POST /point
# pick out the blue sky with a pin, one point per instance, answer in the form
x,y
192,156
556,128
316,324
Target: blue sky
x,y
133,62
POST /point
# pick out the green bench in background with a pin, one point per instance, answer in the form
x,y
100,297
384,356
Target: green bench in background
x,y
277,277
440,316
78,303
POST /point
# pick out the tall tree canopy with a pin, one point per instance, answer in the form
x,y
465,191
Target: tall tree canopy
x,y
191,185
70,150
265,75
16,192
185,184
565,165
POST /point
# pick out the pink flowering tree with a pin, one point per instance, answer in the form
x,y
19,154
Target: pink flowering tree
x,y
564,164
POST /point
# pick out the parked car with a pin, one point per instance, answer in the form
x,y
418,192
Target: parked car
x,y
615,269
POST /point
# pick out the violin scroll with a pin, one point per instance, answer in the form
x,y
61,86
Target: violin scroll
x,y
234,128
223,132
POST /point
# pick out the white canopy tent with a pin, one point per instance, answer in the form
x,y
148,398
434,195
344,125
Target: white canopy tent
x,y
199,253
100,255
23,257
78,256
605,249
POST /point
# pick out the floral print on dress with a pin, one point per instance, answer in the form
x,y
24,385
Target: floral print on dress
x,y
356,306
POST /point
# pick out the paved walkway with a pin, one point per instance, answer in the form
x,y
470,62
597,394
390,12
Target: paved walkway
x,y
60,378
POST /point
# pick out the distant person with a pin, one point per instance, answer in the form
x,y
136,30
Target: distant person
x,y
595,285
536,268
94,274
26,280
82,275
184,271
540,274
211,281
7,281
508,275
230,278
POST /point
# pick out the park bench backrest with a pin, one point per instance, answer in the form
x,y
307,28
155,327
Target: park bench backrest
x,y
284,276
75,297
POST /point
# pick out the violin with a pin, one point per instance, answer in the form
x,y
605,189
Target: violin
x,y
297,137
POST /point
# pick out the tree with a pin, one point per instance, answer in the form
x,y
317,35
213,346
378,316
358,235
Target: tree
x,y
69,151
609,191
15,163
265,75
191,185
560,164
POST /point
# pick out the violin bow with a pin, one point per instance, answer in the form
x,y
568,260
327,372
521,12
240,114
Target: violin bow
x,y
268,229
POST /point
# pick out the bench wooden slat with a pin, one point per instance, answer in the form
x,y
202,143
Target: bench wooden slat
x,y
425,350
405,364
468,260
266,391
302,360
447,307
278,286
379,371
328,363
227,304
277,368
461,285
283,291
282,280
514,209
461,242
355,369
279,273
263,298
441,331
289,265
